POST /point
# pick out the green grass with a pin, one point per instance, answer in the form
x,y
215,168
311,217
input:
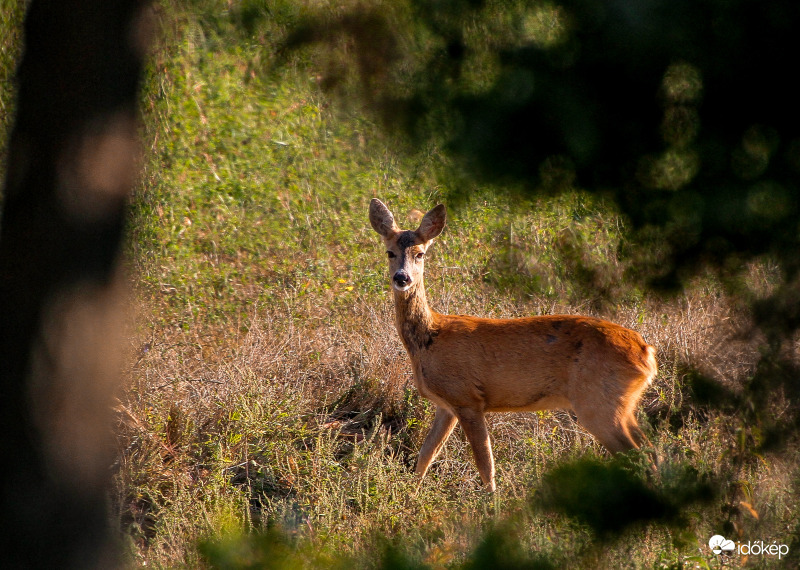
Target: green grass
x,y
10,32
269,418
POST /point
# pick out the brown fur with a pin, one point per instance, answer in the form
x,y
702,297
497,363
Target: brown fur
x,y
469,366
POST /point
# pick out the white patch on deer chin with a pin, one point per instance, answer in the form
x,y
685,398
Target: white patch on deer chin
x,y
401,289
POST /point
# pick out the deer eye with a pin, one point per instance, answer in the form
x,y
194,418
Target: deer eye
x,y
391,254
420,255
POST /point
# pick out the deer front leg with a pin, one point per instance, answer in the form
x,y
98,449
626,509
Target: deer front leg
x,y
474,424
443,423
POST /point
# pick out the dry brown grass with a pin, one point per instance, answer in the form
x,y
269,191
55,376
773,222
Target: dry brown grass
x,y
309,419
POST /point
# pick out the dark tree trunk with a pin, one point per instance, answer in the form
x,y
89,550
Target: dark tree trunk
x,y
72,159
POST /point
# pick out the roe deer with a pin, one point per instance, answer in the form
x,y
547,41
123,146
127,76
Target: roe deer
x,y
468,366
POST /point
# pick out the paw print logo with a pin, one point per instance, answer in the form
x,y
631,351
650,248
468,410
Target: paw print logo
x,y
719,543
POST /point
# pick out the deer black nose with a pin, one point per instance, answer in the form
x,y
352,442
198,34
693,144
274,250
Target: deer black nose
x,y
401,279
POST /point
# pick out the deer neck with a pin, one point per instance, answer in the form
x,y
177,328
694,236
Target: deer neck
x,y
414,318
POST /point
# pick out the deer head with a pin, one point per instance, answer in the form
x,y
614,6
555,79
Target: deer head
x,y
406,248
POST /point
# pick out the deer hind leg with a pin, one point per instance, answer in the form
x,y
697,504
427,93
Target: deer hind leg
x,y
635,431
443,423
612,427
641,439
613,420
474,424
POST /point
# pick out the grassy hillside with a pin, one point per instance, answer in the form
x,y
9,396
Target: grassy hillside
x,y
269,418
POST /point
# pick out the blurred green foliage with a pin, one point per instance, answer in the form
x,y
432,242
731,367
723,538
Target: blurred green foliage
x,y
683,113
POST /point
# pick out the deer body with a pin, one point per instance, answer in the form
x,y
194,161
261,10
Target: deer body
x,y
468,366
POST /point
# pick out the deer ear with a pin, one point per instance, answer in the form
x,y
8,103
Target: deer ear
x,y
381,218
433,223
